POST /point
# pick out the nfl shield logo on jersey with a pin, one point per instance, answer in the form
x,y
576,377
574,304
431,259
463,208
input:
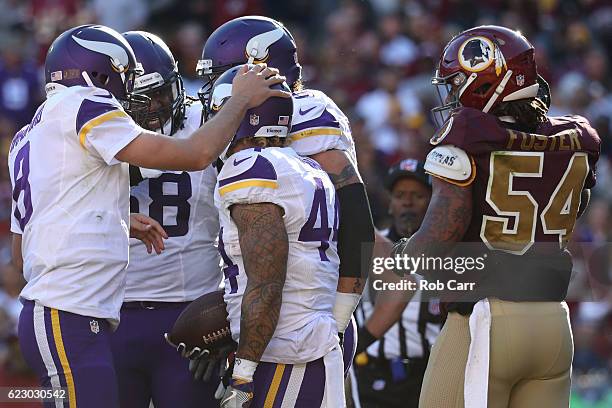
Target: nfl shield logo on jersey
x,y
254,120
434,306
94,326
520,80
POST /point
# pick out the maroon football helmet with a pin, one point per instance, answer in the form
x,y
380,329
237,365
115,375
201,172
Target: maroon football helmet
x,y
483,67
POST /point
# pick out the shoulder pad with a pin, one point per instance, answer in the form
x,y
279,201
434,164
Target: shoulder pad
x,y
308,105
455,130
592,141
315,114
247,168
452,164
97,103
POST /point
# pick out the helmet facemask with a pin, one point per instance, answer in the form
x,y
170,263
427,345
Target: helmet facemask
x,y
136,105
209,73
449,89
167,109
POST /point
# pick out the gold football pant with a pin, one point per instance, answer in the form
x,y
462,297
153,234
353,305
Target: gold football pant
x,y
531,350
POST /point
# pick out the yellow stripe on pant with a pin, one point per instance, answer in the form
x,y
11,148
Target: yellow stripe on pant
x,y
59,345
278,375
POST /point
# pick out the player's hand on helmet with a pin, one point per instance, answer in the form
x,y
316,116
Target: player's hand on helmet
x,y
149,231
204,364
239,394
253,84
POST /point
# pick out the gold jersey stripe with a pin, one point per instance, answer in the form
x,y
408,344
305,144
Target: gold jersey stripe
x,y
247,183
315,132
59,345
98,121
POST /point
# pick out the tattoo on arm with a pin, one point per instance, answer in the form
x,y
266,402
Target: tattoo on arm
x,y
264,245
345,177
350,285
447,219
339,167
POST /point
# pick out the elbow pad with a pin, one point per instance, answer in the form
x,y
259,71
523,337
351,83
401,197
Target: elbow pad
x,y
356,231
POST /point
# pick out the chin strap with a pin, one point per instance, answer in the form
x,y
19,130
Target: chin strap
x,y
500,88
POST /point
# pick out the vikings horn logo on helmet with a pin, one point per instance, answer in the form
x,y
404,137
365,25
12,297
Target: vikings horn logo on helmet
x,y
476,54
257,48
118,56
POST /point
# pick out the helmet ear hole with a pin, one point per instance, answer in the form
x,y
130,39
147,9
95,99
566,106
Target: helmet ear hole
x,y
104,79
482,89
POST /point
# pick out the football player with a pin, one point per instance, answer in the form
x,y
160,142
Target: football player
x,y
71,201
159,288
278,239
512,181
320,130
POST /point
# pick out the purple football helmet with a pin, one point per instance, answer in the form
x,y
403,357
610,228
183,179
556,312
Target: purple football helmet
x,y
96,55
248,40
270,119
161,82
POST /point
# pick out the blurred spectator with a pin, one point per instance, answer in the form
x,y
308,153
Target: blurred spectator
x,y
20,87
187,45
385,108
397,49
121,15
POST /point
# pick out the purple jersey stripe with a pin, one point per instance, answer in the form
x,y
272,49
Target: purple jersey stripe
x,y
261,169
349,346
325,120
313,385
89,110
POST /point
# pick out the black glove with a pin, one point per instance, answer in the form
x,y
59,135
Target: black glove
x,y
202,364
364,339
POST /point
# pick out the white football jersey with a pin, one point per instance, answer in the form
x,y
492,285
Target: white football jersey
x,y
71,201
319,125
183,203
306,327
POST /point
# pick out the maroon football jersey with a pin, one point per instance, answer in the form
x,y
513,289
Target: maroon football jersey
x,y
526,190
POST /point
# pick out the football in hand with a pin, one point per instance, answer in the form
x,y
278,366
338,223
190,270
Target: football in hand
x,y
203,324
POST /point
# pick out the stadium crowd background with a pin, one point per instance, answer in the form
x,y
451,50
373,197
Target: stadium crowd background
x,y
375,59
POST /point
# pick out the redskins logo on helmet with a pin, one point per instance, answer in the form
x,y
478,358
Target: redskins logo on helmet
x,y
476,54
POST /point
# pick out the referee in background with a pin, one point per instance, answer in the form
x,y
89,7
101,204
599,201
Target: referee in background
x,y
395,336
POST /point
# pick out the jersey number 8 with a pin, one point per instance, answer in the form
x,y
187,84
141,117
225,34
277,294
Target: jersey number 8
x,y
159,201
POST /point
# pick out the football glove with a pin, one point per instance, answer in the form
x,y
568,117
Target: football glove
x,y
202,365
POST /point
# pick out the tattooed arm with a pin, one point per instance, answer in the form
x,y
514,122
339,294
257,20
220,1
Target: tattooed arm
x,y
447,219
265,246
354,210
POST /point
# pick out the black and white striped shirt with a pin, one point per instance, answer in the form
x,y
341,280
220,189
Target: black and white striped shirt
x,y
415,333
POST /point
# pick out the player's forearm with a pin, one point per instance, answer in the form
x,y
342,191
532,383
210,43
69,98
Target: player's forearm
x,y
386,313
16,257
265,247
446,221
214,136
156,151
